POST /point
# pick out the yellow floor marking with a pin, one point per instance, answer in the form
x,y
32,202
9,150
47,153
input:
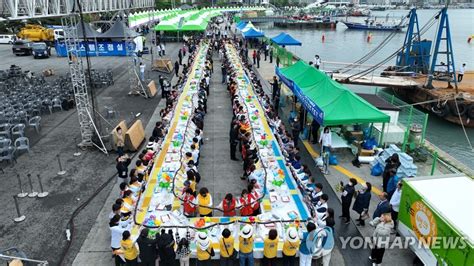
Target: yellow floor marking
x,y
340,169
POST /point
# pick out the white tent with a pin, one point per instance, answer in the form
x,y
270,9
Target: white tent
x,y
248,27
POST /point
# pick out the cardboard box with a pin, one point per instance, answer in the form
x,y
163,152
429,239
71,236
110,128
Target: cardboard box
x,y
364,152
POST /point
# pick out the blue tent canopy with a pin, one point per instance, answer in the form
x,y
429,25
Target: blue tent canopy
x,y
253,33
285,39
241,25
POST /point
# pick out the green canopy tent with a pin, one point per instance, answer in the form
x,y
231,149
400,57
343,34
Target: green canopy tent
x,y
194,25
329,102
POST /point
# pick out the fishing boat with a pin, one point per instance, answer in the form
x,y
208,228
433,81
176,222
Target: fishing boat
x,y
378,8
372,26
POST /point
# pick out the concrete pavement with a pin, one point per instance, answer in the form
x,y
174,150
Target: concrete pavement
x,y
42,234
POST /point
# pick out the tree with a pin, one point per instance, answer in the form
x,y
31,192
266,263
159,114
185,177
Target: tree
x,y
163,4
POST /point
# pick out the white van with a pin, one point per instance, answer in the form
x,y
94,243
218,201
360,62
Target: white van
x,y
7,38
58,34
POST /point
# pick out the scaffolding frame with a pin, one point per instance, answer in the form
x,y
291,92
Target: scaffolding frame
x,y
22,9
79,84
136,85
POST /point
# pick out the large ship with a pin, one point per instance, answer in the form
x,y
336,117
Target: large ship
x,y
438,86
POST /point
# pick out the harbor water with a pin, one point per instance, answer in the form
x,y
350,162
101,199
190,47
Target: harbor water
x,y
343,45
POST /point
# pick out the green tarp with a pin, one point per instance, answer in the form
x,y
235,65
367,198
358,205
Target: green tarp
x,y
339,104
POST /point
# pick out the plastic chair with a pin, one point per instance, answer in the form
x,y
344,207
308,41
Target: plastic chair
x,y
46,104
5,143
19,130
7,154
57,104
22,116
110,112
35,122
22,143
5,130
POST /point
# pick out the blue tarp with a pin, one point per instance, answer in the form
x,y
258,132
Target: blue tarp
x,y
252,33
308,104
241,25
285,39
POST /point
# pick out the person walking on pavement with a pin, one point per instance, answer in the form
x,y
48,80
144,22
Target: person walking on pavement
x,y
395,203
254,57
142,71
317,61
290,247
234,141
158,49
147,246
314,131
267,48
275,88
362,202
224,73
161,82
295,130
259,56
276,103
326,140
462,69
129,249
165,247
180,57
383,206
381,236
346,197
246,240
176,68
305,251
392,162
163,49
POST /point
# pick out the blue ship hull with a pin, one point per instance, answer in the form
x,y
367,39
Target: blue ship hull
x,y
359,26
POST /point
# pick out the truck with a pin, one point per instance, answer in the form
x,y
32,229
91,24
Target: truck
x,y
436,218
36,33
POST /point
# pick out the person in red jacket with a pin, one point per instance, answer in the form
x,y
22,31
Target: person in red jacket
x,y
246,201
189,209
255,195
228,205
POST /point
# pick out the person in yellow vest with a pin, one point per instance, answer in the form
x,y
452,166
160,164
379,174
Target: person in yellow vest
x,y
290,247
129,249
140,168
204,199
226,246
127,205
204,250
246,245
270,248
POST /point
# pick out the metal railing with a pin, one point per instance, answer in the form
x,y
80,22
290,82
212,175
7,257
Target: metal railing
x,y
408,116
9,258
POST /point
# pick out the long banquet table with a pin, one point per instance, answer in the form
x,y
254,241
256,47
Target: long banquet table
x,y
282,203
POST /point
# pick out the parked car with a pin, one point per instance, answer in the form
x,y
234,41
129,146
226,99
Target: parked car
x,y
41,49
7,38
22,47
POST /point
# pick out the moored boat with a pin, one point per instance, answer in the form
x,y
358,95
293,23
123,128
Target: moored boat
x,y
372,26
